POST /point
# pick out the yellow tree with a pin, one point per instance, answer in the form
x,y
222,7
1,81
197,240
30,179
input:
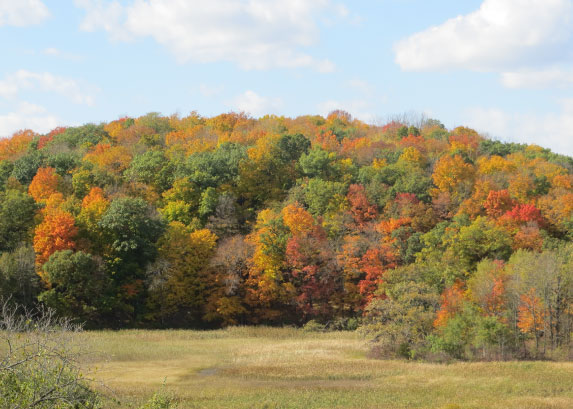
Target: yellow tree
x,y
297,219
113,159
267,290
178,292
452,174
94,205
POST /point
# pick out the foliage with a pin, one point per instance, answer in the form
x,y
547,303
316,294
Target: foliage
x,y
177,292
131,229
160,400
16,218
44,184
191,221
18,279
56,232
401,321
24,168
73,279
82,136
40,367
151,168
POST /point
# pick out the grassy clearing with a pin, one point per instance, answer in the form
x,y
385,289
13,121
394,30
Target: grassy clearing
x,y
288,368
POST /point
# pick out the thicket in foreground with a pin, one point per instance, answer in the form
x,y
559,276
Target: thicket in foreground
x,y
40,365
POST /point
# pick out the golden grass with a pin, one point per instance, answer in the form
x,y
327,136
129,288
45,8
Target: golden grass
x,y
289,368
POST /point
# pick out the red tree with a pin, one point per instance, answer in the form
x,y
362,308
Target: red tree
x,y
362,211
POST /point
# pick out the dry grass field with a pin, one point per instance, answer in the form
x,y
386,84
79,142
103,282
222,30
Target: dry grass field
x,y
288,368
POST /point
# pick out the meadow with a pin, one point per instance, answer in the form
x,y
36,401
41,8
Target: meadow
x,y
250,367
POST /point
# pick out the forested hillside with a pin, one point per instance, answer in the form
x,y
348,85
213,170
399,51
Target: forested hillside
x,y
431,238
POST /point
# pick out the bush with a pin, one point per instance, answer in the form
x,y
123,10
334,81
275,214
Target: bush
x,y
314,326
160,400
40,368
400,323
344,324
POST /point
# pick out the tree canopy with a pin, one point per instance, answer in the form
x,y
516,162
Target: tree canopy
x,y
442,238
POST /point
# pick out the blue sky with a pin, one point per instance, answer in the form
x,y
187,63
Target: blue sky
x,y
503,67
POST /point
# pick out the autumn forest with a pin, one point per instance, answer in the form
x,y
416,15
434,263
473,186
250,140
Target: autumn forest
x,y
432,242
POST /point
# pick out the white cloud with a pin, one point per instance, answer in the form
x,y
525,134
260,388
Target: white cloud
x,y
57,53
554,130
549,77
52,51
104,15
256,105
210,91
22,13
255,34
360,85
24,80
27,116
500,35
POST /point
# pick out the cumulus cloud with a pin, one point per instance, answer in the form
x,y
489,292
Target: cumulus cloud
x,y
22,13
52,51
27,116
255,34
23,80
360,85
553,130
210,91
255,104
57,53
502,35
549,77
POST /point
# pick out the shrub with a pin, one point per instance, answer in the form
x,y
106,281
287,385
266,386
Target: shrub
x,y
160,400
313,326
344,324
40,368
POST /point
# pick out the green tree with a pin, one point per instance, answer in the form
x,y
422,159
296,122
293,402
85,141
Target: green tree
x,y
320,194
152,168
212,169
319,163
209,200
155,121
548,275
63,162
17,210
131,229
75,279
412,130
18,279
81,136
481,239
6,168
402,319
471,335
291,147
26,167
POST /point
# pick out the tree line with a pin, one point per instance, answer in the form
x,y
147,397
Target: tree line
x,y
436,241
